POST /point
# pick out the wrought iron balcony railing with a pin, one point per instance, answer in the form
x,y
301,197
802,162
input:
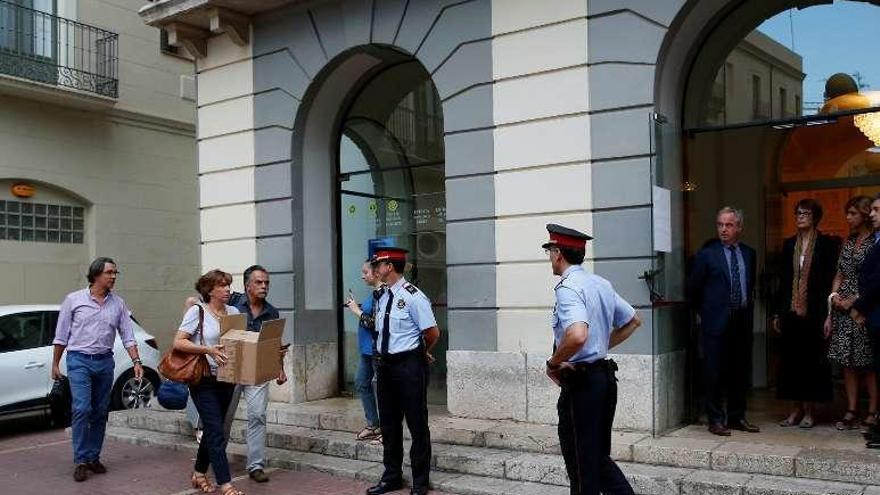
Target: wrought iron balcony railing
x,y
42,47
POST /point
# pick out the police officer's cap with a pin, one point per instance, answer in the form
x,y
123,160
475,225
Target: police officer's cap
x,y
389,254
565,237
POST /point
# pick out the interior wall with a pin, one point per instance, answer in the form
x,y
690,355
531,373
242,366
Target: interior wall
x,y
731,168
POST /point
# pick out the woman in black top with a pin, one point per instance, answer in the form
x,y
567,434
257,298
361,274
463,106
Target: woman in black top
x,y
809,263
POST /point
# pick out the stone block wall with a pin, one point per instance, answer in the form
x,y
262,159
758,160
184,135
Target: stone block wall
x,y
513,385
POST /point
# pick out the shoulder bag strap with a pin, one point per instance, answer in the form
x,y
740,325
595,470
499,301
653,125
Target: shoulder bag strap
x,y
201,327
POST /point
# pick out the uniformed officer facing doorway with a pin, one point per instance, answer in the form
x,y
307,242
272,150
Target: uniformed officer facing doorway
x,y
406,332
588,319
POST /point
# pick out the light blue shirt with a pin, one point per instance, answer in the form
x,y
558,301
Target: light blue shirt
x,y
588,298
742,270
410,315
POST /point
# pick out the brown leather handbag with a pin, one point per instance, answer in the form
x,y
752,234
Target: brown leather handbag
x,y
185,367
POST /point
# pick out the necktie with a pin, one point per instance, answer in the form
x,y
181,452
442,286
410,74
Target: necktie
x,y
735,285
386,332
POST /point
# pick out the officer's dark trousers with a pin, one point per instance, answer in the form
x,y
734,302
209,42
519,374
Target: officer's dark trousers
x,y
586,411
403,388
874,335
726,365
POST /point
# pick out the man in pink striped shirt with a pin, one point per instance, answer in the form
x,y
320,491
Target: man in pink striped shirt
x,y
88,322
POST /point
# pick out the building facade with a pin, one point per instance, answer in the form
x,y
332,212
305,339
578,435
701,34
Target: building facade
x,y
97,132
320,126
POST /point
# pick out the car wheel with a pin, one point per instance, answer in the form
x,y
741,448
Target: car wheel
x,y
128,393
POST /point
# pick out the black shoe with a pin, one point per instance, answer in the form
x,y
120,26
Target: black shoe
x,y
80,472
872,433
719,429
259,476
96,467
873,443
419,491
743,425
384,487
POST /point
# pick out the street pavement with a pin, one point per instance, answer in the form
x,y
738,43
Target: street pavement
x,y
36,461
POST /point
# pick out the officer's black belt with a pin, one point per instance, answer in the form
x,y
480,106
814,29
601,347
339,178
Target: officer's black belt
x,y
600,365
399,356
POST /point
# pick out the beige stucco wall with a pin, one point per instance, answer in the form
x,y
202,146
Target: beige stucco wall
x,y
149,81
132,164
140,188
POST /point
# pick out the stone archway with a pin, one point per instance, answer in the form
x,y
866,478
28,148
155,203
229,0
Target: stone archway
x,y
697,44
256,69
319,227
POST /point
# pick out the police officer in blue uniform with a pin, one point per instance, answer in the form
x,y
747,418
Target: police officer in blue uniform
x,y
406,332
588,319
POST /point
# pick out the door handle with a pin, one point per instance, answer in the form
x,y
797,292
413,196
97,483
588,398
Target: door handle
x,y
33,365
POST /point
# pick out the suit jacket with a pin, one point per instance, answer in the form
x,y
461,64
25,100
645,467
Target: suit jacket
x,y
868,302
709,285
823,267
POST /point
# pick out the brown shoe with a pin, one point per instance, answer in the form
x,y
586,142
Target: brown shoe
x,y
80,472
259,476
719,429
96,467
743,425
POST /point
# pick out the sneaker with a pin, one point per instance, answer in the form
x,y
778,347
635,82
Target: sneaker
x,y
80,472
96,467
259,476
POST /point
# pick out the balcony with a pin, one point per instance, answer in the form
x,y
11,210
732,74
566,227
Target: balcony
x,y
42,48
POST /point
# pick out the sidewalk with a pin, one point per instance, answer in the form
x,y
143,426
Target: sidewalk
x,y
39,463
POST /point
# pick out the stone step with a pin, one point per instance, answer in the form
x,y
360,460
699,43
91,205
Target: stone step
x,y
510,435
455,469
342,467
490,446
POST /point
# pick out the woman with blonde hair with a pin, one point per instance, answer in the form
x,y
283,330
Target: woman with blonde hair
x,y
850,343
200,334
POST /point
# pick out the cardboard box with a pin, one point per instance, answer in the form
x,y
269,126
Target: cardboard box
x,y
253,356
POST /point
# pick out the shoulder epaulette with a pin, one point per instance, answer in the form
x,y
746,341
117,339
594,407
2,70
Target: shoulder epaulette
x,y
410,288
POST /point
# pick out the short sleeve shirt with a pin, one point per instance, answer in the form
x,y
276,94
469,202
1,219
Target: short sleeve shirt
x,y
254,324
210,328
410,314
588,298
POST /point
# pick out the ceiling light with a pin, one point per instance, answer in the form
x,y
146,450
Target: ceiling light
x,y
869,124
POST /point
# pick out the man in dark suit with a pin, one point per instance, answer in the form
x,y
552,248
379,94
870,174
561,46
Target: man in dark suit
x,y
721,286
866,309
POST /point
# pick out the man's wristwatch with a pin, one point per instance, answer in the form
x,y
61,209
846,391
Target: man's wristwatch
x,y
552,367
137,362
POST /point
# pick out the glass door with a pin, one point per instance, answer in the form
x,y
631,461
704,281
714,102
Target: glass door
x,y
392,192
672,342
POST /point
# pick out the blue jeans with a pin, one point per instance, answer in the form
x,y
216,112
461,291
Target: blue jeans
x,y
212,400
364,384
91,378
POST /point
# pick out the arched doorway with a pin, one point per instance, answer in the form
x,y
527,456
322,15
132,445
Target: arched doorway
x,y
709,156
392,192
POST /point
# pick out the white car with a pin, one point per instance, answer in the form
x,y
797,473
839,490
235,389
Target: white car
x,y
26,334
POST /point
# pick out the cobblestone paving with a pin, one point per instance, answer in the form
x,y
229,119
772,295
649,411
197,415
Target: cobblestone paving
x,y
39,462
